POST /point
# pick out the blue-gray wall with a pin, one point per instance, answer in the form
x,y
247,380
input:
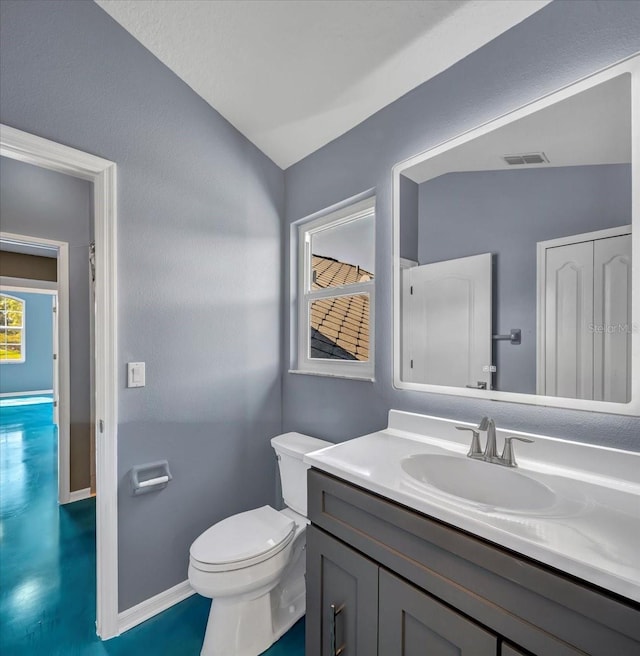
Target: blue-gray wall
x,y
200,240
409,215
506,213
36,372
556,46
199,258
39,203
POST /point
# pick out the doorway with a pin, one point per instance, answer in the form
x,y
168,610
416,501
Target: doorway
x,y
32,265
31,149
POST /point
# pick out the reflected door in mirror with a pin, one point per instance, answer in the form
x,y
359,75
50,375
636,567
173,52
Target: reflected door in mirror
x,y
586,310
447,322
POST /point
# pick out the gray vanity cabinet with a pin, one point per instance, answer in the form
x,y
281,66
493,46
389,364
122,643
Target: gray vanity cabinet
x,y
411,623
404,584
342,614
359,609
510,650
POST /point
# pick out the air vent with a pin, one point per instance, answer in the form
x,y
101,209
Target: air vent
x,y
526,158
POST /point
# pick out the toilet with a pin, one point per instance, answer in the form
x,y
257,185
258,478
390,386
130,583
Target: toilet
x,y
252,564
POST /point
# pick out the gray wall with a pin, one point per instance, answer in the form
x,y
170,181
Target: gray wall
x,y
409,212
36,372
199,255
554,47
40,203
506,213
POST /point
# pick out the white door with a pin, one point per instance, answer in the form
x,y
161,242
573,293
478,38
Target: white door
x,y
612,319
568,314
586,345
56,393
447,322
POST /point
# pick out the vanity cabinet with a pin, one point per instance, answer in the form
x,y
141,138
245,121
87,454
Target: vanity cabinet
x,y
345,599
361,609
412,623
387,580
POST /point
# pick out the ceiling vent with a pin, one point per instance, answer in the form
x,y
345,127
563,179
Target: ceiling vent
x,y
526,158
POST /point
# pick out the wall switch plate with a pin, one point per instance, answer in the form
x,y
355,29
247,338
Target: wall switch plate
x,y
489,368
135,374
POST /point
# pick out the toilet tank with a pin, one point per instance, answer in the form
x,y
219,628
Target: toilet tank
x,y
290,449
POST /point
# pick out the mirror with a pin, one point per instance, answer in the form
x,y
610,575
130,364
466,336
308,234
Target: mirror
x,y
513,252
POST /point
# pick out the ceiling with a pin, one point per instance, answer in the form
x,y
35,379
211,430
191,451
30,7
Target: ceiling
x,y
589,128
292,75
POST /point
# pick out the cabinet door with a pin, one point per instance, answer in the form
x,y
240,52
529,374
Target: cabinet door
x,y
411,623
509,650
342,599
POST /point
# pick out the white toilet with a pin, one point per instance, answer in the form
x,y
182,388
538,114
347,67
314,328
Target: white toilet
x,y
252,564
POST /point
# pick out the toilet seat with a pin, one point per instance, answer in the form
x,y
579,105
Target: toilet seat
x,y
242,540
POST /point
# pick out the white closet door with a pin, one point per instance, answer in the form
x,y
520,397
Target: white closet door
x,y
568,315
447,322
612,319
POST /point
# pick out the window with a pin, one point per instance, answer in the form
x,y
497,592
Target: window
x,y
336,292
11,329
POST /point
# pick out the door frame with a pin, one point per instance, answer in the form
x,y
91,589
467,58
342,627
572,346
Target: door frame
x,y
62,349
541,294
31,149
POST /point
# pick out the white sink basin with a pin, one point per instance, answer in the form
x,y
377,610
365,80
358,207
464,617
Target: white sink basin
x,y
479,482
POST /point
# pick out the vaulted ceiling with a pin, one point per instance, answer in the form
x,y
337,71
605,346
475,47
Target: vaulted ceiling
x,y
292,75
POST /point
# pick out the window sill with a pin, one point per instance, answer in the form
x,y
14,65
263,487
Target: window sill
x,y
366,379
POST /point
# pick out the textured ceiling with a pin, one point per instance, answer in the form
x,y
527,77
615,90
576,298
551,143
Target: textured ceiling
x,y
292,75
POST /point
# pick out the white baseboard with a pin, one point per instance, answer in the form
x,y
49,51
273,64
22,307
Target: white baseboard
x,y
33,393
147,609
79,495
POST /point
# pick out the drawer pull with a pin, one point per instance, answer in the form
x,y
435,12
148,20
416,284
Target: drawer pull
x,y
335,611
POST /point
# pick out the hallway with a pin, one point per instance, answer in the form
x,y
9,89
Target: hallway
x,y
47,561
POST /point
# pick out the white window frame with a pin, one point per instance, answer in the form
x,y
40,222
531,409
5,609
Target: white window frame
x,y
22,329
363,370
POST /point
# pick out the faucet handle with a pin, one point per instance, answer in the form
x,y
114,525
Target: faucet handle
x,y
475,451
508,457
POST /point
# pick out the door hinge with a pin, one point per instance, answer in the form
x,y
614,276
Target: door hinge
x,y
55,309
55,356
411,364
411,290
55,404
101,426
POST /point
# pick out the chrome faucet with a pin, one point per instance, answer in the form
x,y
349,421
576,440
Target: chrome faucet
x,y
490,453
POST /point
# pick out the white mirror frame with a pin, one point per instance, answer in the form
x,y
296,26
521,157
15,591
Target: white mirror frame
x,y
630,65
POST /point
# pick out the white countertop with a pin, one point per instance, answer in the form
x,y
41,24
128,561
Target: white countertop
x,y
591,532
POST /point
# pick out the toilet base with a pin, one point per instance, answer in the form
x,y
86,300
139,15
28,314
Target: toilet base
x,y
245,627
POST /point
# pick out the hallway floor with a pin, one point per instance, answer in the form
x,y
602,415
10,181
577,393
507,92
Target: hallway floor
x,y
47,562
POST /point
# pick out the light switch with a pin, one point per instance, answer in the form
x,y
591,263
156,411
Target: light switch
x,y
135,374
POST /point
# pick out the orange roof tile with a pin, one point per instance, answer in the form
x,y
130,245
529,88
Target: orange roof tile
x,y
339,325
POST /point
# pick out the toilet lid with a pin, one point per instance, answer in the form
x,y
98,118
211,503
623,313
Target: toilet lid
x,y
243,536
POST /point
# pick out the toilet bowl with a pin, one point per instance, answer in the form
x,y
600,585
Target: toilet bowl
x,y
252,564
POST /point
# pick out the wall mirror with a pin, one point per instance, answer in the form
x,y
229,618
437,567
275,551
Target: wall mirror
x,y
514,250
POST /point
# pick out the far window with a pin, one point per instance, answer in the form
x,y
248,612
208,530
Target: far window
x,y
336,292
11,329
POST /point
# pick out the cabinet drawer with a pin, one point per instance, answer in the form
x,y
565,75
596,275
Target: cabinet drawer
x,y
526,602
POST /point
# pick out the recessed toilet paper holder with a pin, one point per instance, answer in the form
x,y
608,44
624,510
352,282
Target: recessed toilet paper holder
x,y
151,477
